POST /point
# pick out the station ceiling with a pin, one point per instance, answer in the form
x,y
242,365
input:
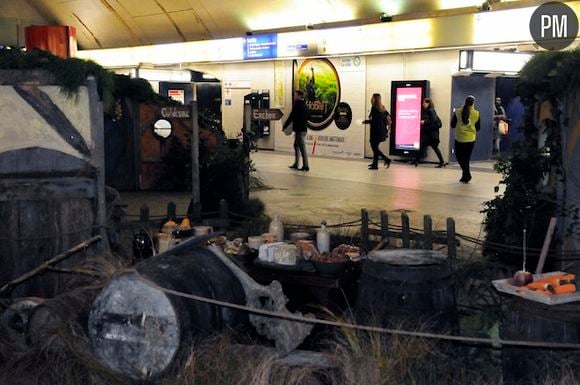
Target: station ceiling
x,y
121,23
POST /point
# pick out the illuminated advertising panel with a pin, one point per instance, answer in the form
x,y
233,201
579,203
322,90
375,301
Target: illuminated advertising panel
x,y
406,101
261,47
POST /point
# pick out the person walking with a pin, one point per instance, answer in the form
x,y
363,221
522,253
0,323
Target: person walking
x,y
430,125
466,123
379,119
498,115
299,117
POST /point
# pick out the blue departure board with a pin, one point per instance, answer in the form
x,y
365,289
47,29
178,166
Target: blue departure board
x,y
261,46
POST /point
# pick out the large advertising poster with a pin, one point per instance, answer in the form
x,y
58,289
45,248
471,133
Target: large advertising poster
x,y
408,118
321,85
335,91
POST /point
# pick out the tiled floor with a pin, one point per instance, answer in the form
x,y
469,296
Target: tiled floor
x,y
335,190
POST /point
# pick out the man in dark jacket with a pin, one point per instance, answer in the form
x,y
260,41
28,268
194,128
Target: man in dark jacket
x,y
298,117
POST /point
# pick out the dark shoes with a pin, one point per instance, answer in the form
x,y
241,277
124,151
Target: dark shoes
x,y
440,165
373,167
295,167
387,163
465,179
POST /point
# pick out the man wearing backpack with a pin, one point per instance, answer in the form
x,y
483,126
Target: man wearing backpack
x,y
430,125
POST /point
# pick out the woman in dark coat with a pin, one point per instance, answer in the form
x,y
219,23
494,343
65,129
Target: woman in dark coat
x,y
379,119
430,125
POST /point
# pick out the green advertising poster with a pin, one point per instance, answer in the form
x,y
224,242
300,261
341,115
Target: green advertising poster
x,y
319,81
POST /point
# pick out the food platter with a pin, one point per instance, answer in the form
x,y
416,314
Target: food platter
x,y
507,286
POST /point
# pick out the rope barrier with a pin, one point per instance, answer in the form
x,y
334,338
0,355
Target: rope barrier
x,y
493,342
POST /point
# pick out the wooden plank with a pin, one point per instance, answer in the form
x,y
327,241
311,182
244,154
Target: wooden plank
x,y
41,189
171,211
451,246
42,162
223,209
427,233
195,179
405,229
98,159
40,102
364,229
385,226
144,213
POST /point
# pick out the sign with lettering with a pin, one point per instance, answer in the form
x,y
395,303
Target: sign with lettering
x,y
267,114
261,46
176,112
319,81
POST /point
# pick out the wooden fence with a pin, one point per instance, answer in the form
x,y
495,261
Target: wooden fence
x,y
372,233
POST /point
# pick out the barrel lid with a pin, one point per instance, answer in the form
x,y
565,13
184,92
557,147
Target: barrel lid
x,y
407,257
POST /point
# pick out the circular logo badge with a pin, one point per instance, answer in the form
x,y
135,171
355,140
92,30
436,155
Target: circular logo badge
x,y
319,81
343,116
554,26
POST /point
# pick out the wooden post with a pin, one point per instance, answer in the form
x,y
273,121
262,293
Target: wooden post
x,y
385,226
144,213
451,248
171,211
246,146
406,230
364,229
98,158
224,213
427,233
195,193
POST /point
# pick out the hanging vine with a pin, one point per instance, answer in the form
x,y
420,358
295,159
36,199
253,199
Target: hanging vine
x,y
533,169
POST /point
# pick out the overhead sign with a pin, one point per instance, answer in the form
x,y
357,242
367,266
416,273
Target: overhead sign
x,y
261,47
176,112
267,114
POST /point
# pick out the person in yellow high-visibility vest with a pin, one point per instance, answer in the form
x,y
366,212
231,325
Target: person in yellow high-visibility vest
x,y
466,123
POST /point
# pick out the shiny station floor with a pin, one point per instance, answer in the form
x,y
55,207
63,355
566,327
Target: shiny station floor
x,y
335,190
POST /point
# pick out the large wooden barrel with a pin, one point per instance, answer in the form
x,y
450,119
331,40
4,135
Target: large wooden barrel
x,y
142,332
532,321
41,218
407,288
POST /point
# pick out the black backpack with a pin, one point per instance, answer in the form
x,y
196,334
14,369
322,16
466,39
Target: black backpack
x,y
436,122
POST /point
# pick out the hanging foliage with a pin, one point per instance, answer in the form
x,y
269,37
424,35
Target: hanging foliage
x,y
534,167
70,74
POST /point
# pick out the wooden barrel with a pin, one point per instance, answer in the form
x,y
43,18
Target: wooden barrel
x,y
41,218
69,309
532,321
407,288
142,332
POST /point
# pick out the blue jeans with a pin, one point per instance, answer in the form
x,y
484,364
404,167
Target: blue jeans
x,y
300,147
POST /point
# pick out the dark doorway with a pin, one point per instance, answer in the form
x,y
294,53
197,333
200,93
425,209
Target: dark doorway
x,y
483,88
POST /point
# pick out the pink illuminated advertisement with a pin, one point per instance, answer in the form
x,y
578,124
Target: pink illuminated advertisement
x,y
408,118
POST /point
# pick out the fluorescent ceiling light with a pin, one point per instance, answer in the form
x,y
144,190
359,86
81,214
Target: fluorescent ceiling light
x,y
165,75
